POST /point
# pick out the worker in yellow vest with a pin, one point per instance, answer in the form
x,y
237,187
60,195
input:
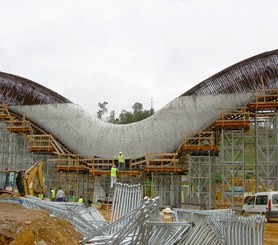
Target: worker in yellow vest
x,y
113,175
80,200
40,196
121,161
52,194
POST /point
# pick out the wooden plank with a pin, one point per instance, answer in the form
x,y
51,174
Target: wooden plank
x,y
15,129
232,123
119,172
200,147
69,168
41,148
163,169
263,105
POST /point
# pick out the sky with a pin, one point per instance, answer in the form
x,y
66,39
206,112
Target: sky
x,y
128,51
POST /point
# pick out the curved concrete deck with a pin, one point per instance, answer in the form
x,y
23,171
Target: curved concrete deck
x,y
162,132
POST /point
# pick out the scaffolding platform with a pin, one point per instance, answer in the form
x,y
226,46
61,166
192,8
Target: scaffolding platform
x,y
40,143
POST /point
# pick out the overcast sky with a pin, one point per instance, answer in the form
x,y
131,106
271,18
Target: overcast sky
x,y
130,51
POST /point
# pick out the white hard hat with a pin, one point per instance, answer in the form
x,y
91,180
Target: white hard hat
x,y
120,152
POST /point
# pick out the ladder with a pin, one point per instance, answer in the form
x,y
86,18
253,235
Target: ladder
x,y
110,197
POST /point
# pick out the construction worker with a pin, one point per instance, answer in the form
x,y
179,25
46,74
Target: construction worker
x,y
121,161
52,194
113,175
72,198
40,196
61,196
80,200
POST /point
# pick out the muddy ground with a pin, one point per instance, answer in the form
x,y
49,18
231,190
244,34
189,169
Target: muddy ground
x,y
20,226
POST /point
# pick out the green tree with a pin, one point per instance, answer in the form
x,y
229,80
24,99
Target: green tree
x,y
137,108
125,116
102,109
112,118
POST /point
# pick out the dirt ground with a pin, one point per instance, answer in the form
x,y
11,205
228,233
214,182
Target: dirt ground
x,y
271,232
20,226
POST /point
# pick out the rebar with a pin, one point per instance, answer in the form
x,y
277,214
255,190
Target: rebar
x,y
242,77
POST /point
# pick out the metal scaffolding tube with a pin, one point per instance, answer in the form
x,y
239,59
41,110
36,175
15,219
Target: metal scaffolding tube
x,y
126,198
233,166
266,150
116,233
84,219
202,180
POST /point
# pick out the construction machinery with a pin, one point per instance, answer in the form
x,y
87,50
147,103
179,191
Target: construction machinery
x,y
21,183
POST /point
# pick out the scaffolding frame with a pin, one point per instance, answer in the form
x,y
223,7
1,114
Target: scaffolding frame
x,y
201,180
266,128
163,185
239,176
232,166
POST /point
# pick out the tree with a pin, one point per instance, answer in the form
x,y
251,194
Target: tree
x,y
102,109
125,116
137,107
112,117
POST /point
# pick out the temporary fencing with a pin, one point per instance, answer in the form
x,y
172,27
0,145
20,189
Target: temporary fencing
x,y
220,227
129,229
84,219
138,222
126,197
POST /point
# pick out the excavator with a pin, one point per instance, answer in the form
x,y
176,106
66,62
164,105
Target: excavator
x,y
21,183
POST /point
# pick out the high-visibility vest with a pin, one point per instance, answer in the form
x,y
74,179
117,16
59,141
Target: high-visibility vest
x,y
120,158
80,200
40,196
52,193
113,171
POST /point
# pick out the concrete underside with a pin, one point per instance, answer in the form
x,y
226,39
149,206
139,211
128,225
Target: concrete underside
x,y
163,132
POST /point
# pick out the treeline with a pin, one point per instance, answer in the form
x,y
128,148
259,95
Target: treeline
x,y
125,116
